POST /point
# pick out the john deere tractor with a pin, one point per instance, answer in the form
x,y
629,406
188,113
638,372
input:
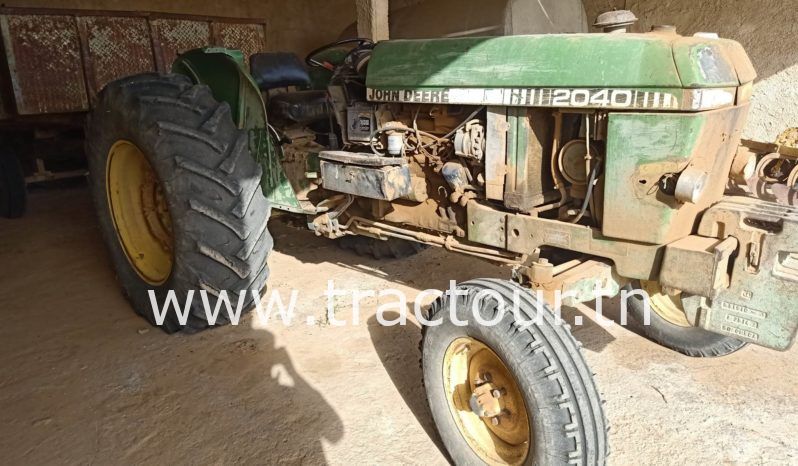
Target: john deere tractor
x,y
575,160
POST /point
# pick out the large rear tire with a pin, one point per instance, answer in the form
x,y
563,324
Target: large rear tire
x,y
669,327
550,409
178,197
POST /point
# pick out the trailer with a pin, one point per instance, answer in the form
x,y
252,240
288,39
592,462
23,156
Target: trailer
x,y
56,61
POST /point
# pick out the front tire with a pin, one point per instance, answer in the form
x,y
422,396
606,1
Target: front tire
x,y
668,325
550,411
178,197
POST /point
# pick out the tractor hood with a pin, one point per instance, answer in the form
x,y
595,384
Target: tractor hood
x,y
527,70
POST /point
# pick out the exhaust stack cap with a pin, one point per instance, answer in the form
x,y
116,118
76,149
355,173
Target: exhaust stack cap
x,y
616,21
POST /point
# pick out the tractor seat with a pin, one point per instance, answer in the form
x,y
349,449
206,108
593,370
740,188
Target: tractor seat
x,y
302,107
272,70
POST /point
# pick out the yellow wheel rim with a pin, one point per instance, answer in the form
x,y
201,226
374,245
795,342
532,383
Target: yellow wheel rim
x,y
669,307
500,434
139,211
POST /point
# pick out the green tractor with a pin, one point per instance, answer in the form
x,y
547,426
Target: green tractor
x,y
575,160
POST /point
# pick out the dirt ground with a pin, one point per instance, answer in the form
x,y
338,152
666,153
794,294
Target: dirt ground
x,y
87,381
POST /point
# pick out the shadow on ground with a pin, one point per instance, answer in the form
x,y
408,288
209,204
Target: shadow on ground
x,y
424,270
398,347
100,386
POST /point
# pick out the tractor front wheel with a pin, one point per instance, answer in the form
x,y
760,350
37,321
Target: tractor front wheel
x,y
669,327
513,388
178,198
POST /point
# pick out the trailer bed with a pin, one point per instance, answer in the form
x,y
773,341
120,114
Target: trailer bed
x,y
56,61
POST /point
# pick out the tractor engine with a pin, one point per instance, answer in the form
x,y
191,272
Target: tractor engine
x,y
636,155
419,162
430,160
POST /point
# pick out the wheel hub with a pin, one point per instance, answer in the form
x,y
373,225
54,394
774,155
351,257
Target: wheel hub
x,y
667,306
155,211
139,212
486,403
486,400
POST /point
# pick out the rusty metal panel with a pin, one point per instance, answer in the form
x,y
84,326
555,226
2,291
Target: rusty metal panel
x,y
697,265
59,59
486,225
175,36
44,61
249,38
496,152
114,47
385,183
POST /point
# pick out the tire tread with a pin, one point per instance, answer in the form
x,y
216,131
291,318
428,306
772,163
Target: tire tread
x,y
224,241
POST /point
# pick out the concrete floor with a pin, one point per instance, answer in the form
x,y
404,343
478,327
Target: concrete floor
x,y
87,381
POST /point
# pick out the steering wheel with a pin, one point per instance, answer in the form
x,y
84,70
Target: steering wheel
x,y
310,59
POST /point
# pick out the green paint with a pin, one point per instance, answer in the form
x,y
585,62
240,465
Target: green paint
x,y
711,63
641,148
555,60
219,69
759,304
223,70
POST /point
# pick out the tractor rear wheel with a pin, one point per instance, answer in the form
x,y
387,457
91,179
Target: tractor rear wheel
x,y
517,391
669,327
178,198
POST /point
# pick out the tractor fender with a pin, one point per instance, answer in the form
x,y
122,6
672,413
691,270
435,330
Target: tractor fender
x,y
224,72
